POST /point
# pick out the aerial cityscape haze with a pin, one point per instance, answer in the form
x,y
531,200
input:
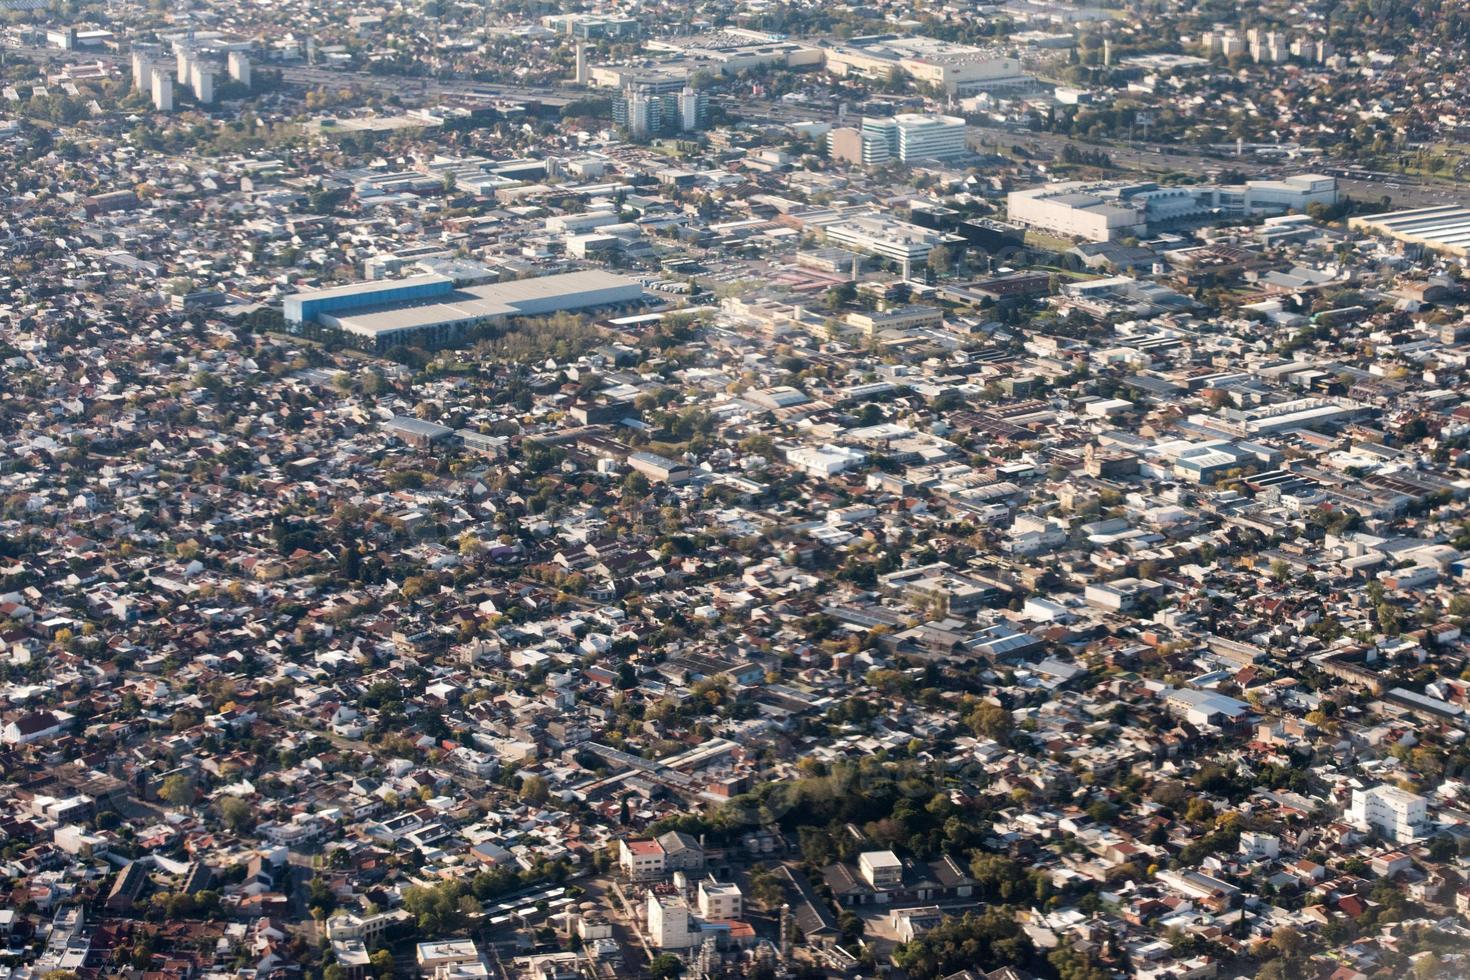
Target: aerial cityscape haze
x,y
736,489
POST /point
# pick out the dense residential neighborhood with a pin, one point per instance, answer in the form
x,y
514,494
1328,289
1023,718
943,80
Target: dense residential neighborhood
x,y
735,490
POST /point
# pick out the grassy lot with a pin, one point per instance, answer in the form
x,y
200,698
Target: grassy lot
x,y
1040,239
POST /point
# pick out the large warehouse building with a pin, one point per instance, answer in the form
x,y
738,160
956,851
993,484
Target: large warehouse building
x,y
1104,211
1444,229
955,69
430,310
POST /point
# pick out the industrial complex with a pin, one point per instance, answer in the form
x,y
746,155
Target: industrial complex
x,y
1110,210
1443,229
431,310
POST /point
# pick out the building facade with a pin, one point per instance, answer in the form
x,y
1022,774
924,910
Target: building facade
x,y
1395,814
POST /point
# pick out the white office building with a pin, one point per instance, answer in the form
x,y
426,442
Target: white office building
x,y
868,147
912,136
1076,209
879,141
907,244
922,137
1395,814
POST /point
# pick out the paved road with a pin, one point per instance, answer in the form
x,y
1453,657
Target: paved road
x,y
608,894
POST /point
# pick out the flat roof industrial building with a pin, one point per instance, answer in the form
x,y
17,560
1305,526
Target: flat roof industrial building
x,y
429,310
1445,228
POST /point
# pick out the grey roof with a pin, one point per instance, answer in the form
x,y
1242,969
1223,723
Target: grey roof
x,y
418,427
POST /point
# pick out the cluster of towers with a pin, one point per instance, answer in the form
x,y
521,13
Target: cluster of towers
x,y
645,112
195,68
1265,47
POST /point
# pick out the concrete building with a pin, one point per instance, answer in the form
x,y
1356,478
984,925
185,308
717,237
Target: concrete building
x,y
1104,211
912,136
720,900
902,318
445,955
588,26
646,111
906,244
881,869
660,469
668,921
954,69
420,433
201,81
1294,193
1395,814
429,310
639,112
823,461
1255,845
856,146
142,70
641,860
1443,228
582,76
693,109
163,90
365,928
239,66
1205,709
1075,209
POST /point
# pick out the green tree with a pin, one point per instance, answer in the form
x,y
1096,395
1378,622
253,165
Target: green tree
x,y
534,790
991,721
177,790
237,814
986,940
940,261
666,966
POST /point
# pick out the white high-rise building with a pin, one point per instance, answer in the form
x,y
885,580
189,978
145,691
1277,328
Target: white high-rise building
x,y
668,921
240,67
163,90
645,114
142,71
912,136
922,137
1396,814
582,70
183,57
201,80
693,107
879,141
